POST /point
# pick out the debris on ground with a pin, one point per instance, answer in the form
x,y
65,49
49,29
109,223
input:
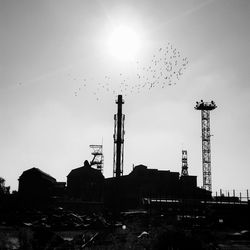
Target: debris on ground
x,y
60,228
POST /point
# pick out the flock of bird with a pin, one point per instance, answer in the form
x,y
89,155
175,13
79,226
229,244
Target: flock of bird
x,y
162,70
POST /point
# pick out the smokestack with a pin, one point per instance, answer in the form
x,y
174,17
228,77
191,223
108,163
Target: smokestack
x,y
118,138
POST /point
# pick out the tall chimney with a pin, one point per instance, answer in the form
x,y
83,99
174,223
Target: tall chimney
x,y
118,139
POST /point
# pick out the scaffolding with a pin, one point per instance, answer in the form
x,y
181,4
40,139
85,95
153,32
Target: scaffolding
x,y
98,158
205,108
184,167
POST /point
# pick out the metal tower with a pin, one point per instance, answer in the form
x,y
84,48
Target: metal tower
x,y
98,158
205,108
184,168
118,138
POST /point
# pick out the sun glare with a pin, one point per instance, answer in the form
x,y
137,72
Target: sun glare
x,y
123,43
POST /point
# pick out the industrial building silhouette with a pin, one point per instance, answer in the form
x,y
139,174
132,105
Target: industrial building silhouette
x,y
36,184
87,184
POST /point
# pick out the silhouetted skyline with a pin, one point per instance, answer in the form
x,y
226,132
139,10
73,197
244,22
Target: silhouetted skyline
x,y
58,86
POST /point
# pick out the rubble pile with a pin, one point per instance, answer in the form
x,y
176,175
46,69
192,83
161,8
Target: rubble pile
x,y
60,229
55,219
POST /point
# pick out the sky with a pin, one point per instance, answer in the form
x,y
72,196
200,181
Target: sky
x,y
59,78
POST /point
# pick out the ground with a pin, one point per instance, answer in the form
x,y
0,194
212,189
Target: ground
x,y
63,229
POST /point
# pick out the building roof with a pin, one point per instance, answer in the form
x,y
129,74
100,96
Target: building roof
x,y
86,169
38,171
144,170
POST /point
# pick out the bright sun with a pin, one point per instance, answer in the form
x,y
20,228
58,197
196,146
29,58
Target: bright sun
x,y
123,43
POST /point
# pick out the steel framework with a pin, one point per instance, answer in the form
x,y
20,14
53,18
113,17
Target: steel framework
x,y
119,119
184,168
98,158
205,108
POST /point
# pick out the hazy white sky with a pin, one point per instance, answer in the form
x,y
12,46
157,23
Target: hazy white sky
x,y
49,48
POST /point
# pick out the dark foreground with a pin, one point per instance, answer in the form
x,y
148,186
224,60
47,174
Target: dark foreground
x,y
62,229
